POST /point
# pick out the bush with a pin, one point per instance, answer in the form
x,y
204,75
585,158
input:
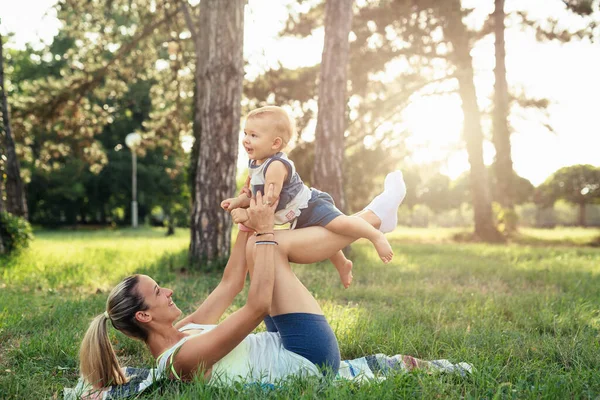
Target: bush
x,y
15,232
157,216
421,216
566,213
461,216
506,219
528,214
592,215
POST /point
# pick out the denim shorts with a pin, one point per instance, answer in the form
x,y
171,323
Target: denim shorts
x,y
310,336
321,210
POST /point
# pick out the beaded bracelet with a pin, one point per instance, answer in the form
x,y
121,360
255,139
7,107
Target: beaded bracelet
x,y
266,242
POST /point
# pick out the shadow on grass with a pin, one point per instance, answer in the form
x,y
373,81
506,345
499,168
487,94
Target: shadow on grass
x,y
524,239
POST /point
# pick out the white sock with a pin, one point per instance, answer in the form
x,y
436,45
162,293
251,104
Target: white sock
x,y
385,205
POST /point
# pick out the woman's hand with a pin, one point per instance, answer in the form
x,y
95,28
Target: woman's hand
x,y
261,214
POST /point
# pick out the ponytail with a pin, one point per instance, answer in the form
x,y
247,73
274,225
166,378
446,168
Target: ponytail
x,y
97,360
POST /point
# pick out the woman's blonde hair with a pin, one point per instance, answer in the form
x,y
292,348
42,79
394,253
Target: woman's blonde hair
x,y
282,124
97,359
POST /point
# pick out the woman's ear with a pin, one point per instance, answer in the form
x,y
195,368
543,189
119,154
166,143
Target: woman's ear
x,y
143,316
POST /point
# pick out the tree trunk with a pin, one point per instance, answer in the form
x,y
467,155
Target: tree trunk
x,y
218,78
331,119
170,226
501,134
582,214
457,33
196,126
2,249
15,192
2,209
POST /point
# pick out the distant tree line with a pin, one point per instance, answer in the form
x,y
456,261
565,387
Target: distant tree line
x,y
169,71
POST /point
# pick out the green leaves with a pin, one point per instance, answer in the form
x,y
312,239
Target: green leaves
x,y
15,233
576,184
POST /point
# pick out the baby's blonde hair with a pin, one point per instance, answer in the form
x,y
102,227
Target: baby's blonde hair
x,y
282,125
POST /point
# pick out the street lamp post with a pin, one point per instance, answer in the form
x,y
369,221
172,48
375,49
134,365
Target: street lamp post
x,y
132,141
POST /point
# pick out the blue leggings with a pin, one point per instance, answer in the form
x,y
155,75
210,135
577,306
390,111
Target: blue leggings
x,y
310,336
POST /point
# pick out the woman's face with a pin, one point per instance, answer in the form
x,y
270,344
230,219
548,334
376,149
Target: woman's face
x,y
161,306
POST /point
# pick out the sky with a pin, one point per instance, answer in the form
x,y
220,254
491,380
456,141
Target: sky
x,y
566,74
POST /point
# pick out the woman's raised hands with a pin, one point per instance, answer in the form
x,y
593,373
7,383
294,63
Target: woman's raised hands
x,y
261,213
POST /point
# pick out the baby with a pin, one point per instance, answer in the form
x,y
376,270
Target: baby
x,y
266,133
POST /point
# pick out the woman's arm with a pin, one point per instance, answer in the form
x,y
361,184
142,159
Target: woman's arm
x,y
232,283
201,352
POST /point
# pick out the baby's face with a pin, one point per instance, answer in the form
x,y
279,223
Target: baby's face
x,y
260,142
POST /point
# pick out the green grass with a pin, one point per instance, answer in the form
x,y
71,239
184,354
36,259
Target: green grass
x,y
562,236
525,315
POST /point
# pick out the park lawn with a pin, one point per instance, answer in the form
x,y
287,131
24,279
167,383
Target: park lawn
x,y
562,236
526,316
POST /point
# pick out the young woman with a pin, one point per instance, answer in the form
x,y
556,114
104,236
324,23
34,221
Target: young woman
x,y
299,340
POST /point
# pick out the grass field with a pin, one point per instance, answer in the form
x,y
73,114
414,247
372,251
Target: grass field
x,y
526,314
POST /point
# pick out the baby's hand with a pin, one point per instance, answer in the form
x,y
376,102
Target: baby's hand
x,y
239,215
246,190
230,204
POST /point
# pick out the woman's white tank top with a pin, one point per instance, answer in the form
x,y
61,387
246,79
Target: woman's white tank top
x,y
260,357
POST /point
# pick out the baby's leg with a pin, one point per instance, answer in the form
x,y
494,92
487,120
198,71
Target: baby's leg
x,y
385,207
343,266
356,227
380,213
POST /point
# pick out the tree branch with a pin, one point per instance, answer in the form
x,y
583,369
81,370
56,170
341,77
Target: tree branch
x,y
81,87
400,100
189,21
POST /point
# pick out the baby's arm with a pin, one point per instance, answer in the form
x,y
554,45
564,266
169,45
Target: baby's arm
x,y
242,201
276,174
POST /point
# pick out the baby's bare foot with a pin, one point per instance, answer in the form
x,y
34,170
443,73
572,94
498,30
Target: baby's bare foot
x,y
239,215
345,271
383,248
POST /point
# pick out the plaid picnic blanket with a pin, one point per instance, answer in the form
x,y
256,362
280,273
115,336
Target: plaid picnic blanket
x,y
372,367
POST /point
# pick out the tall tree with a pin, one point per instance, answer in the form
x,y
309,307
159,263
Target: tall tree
x,y
217,112
2,208
458,35
2,249
70,100
374,115
331,119
59,112
15,191
501,133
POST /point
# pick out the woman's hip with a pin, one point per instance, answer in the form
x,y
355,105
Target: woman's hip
x,y
310,336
